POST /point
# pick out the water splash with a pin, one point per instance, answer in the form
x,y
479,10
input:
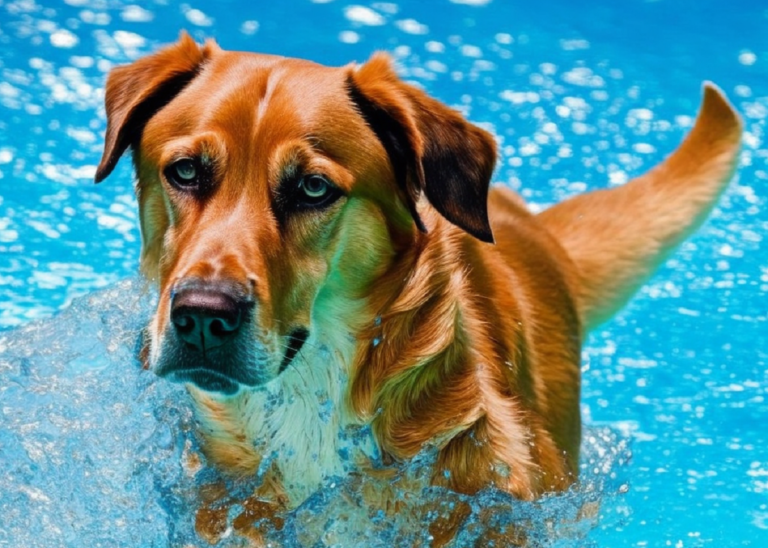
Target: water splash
x,y
94,451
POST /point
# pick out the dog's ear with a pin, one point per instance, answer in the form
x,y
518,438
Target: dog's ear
x,y
433,149
135,92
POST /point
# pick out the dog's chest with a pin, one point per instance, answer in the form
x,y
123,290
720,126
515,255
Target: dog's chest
x,y
297,426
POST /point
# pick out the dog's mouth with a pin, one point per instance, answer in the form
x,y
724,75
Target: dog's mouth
x,y
296,341
206,379
224,369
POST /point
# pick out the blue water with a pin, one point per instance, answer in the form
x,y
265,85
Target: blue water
x,y
580,94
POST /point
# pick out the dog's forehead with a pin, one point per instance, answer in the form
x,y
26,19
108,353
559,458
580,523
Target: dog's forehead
x,y
256,102
288,95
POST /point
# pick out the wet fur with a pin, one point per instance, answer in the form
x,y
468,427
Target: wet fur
x,y
420,327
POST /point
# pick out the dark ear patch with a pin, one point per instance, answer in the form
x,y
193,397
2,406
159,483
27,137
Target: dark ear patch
x,y
458,165
135,92
433,149
394,138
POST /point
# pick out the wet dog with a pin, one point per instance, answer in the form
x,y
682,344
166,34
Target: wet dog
x,y
329,255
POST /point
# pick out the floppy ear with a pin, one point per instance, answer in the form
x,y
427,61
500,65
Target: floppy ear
x,y
433,149
135,92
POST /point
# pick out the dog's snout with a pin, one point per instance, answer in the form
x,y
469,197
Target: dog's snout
x,y
208,317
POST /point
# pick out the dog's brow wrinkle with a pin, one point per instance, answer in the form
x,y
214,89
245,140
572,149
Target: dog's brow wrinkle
x,y
266,90
312,140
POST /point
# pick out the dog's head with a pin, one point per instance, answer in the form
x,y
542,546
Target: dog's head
x,y
274,193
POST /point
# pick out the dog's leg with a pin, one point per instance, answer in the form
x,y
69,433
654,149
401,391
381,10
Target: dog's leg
x,y
617,237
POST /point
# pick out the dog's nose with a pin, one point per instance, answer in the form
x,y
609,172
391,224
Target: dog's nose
x,y
206,318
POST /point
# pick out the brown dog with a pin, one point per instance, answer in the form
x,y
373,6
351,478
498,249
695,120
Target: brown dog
x,y
323,240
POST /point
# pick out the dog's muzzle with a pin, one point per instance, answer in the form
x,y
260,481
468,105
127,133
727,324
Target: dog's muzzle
x,y
205,343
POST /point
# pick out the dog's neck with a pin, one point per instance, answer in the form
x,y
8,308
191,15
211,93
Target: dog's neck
x,y
434,370
422,325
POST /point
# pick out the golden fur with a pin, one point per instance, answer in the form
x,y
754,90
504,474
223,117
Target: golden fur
x,y
419,324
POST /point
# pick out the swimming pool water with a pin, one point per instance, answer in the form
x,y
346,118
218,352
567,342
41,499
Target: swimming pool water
x,y
580,95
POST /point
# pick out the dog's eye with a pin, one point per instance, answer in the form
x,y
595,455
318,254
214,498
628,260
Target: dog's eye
x,y
316,191
314,186
183,173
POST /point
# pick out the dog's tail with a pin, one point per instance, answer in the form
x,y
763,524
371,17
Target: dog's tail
x,y
617,237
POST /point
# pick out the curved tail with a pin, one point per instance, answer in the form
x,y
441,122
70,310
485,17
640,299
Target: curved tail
x,y
617,237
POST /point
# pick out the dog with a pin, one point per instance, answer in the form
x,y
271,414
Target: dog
x,y
332,262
